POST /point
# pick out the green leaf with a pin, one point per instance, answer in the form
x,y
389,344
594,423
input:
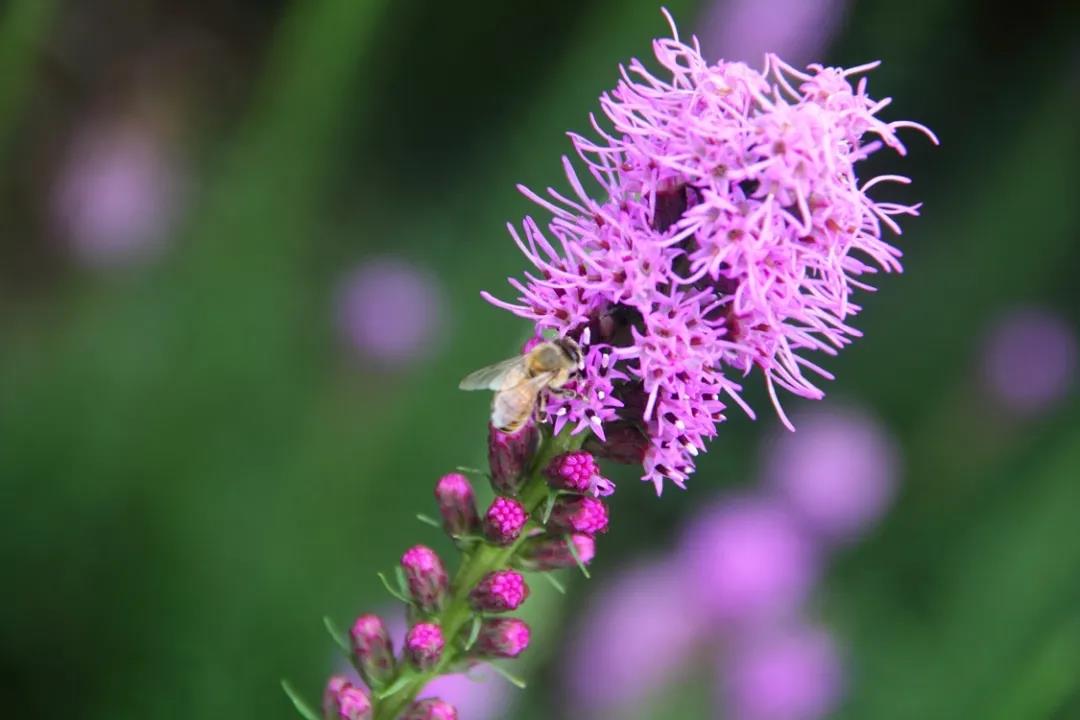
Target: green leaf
x,y
339,637
427,520
549,505
577,558
298,702
554,582
474,632
509,676
395,687
393,591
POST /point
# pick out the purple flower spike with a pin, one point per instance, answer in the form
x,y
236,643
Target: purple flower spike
x,y
509,454
372,649
430,709
577,471
424,645
504,520
426,577
728,238
499,591
344,701
552,553
580,515
502,638
457,504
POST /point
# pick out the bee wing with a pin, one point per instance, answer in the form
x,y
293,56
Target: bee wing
x,y
499,376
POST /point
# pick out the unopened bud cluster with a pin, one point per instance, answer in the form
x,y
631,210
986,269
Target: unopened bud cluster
x,y
545,516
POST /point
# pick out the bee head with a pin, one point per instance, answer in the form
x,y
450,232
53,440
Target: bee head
x,y
572,351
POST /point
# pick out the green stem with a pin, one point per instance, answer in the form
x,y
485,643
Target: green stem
x,y
456,617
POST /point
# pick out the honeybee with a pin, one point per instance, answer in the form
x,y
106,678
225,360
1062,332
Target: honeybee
x,y
519,381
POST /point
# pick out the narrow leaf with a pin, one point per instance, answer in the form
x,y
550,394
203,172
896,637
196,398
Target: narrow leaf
x,y
550,505
474,632
395,687
427,520
393,591
509,676
298,702
335,632
577,558
554,582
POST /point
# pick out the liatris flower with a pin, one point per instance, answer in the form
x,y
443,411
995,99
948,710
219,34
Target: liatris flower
x,y
509,454
389,311
749,561
577,471
424,645
792,674
504,520
499,591
431,709
549,552
427,579
728,236
837,474
1030,359
502,638
372,649
457,504
344,701
580,515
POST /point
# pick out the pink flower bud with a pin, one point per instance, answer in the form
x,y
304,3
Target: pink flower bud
x,y
623,443
577,471
344,701
426,577
424,645
430,709
502,638
372,649
580,514
549,552
499,591
457,504
504,520
509,455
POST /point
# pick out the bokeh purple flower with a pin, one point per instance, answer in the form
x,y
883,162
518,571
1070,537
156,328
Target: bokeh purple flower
x,y
390,311
749,561
116,194
838,473
1029,360
789,674
729,235
634,637
798,30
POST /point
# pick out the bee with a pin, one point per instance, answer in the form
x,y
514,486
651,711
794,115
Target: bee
x,y
519,382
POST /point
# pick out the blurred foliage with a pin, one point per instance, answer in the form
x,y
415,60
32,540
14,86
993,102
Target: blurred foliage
x,y
192,472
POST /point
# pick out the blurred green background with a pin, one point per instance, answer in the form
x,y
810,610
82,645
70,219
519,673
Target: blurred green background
x,y
195,466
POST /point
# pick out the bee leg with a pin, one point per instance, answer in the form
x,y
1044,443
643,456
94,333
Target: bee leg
x,y
565,393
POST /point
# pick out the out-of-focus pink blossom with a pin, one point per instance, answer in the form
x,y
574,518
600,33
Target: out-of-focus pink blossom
x,y
837,472
748,561
791,674
390,310
115,197
798,30
633,637
1029,360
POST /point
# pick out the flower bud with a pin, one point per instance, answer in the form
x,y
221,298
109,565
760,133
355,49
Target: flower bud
x,y
624,443
577,471
509,454
424,645
579,514
499,591
549,552
426,577
372,649
344,701
504,520
501,638
430,709
457,504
